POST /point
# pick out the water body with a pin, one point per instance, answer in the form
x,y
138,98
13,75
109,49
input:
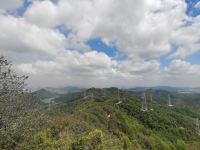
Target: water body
x,y
49,100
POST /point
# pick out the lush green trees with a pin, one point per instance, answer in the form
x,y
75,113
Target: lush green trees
x,y
18,108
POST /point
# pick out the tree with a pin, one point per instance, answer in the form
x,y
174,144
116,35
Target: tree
x,y
17,106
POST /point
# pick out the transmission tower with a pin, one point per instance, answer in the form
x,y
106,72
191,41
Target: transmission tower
x,y
49,106
118,98
151,98
144,102
169,101
84,94
104,92
197,126
92,96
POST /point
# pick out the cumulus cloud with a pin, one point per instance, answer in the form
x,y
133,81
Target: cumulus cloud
x,y
10,4
187,38
182,73
183,68
142,30
22,40
19,38
88,69
138,27
44,13
139,67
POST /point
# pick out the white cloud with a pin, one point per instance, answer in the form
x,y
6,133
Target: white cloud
x,y
42,12
187,38
183,68
26,69
141,28
19,37
88,69
10,4
182,73
139,67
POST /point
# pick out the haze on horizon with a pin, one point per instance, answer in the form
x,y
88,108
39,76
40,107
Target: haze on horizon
x,y
102,43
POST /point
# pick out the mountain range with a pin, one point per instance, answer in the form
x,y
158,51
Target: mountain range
x,y
95,120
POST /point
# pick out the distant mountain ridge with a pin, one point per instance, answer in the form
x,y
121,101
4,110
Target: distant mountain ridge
x,y
65,90
50,92
168,89
95,119
44,94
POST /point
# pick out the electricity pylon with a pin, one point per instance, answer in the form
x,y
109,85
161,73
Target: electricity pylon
x,y
85,94
118,98
92,96
169,101
197,126
104,92
151,98
144,102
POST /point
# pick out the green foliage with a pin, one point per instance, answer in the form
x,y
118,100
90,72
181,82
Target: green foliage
x,y
181,145
99,124
42,94
90,142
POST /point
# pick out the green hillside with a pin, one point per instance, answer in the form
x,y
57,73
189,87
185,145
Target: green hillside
x,y
96,122
43,93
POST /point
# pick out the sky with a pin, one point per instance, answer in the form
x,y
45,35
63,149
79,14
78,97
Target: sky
x,y
102,43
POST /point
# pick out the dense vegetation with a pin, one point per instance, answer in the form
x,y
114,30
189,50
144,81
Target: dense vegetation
x,y
94,121
97,123
20,110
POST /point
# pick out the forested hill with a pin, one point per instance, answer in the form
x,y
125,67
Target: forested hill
x,y
112,119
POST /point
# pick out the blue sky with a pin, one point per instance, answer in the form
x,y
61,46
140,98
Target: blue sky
x,y
19,12
191,10
98,45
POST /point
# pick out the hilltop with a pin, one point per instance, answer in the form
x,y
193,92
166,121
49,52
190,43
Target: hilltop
x,y
93,120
